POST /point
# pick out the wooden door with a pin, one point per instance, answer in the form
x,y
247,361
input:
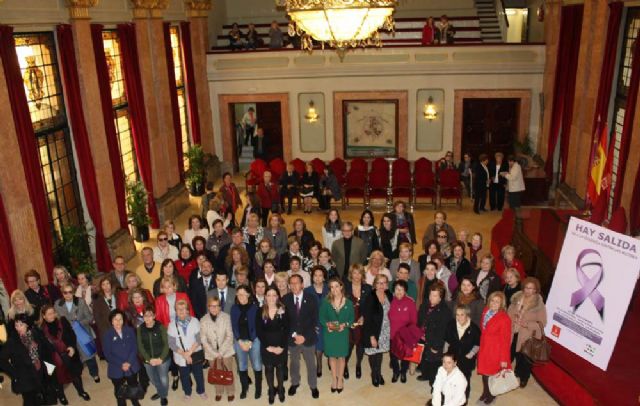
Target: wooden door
x,y
489,125
270,120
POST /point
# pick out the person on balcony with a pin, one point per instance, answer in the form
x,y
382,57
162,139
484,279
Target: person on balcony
x,y
444,31
428,32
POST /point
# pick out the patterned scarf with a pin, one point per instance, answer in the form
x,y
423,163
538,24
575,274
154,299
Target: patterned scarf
x,y
184,324
32,348
488,316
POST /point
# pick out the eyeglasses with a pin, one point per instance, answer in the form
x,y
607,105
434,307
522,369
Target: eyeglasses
x,y
163,239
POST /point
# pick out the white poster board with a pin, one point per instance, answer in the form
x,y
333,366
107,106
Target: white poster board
x,y
591,290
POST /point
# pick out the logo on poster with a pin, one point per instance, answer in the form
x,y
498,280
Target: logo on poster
x,y
555,330
588,286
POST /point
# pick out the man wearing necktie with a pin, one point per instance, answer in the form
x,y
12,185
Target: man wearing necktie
x,y
223,291
200,283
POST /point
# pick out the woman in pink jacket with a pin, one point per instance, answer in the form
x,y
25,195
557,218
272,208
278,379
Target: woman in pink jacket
x,y
402,316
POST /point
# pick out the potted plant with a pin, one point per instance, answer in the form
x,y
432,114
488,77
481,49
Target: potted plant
x,y
137,199
73,251
195,175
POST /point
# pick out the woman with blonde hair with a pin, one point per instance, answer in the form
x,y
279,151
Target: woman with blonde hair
x,y
19,305
495,342
486,277
61,276
375,267
511,279
282,283
528,317
377,327
216,336
357,291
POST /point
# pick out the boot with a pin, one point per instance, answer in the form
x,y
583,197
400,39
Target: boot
x,y
281,393
318,364
244,383
272,396
258,377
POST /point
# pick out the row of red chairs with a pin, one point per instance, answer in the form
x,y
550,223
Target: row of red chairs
x,y
379,178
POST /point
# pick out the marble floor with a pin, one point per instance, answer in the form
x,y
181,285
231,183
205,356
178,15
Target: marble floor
x,y
357,392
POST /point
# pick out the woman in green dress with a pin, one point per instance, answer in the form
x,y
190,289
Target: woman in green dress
x,y
336,318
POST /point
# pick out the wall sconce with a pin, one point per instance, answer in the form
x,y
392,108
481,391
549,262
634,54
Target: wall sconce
x,y
430,112
312,115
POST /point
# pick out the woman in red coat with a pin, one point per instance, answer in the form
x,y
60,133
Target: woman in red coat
x,y
269,197
508,260
495,342
427,32
165,303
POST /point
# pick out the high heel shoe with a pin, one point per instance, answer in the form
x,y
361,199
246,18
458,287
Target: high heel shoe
x,y
346,373
395,377
339,390
333,390
358,372
85,396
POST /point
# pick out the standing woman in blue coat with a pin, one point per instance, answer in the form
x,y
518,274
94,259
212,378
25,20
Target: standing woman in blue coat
x,y
245,340
121,351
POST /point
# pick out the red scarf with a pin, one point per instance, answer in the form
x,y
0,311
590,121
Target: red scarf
x,y
62,373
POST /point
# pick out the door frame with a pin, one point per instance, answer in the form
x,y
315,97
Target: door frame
x,y
228,141
459,95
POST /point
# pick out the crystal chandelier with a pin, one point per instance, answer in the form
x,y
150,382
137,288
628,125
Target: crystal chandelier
x,y
341,24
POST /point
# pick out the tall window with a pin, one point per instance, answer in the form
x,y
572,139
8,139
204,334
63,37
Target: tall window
x,y
630,35
182,96
120,106
39,67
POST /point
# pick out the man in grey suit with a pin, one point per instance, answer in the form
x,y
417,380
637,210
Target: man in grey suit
x,y
224,292
348,250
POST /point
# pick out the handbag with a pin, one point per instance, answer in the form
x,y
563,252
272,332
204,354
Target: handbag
x,y
537,350
503,382
219,376
416,357
132,392
196,357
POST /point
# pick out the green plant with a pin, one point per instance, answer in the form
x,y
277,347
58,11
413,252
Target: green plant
x,y
137,199
525,146
73,251
195,156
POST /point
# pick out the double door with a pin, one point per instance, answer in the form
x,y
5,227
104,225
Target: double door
x,y
489,126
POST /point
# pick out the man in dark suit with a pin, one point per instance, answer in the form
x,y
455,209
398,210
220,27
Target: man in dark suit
x,y
118,275
480,184
303,318
37,294
224,292
288,187
348,250
200,283
497,182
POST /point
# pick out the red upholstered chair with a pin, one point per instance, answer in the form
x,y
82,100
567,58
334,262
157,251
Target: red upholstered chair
x,y
299,166
450,187
318,166
424,181
378,180
277,166
355,186
254,176
401,179
359,165
339,168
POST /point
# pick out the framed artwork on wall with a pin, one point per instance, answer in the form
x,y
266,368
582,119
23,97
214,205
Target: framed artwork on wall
x,y
370,128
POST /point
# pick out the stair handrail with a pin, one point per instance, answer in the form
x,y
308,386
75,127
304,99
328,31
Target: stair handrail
x,y
503,22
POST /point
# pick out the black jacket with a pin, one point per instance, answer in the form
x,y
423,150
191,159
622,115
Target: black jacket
x,y
306,241
504,167
434,325
198,293
287,180
479,177
305,323
462,346
46,295
15,362
491,283
373,314
463,269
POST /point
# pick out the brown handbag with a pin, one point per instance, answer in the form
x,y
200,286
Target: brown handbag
x,y
537,350
219,375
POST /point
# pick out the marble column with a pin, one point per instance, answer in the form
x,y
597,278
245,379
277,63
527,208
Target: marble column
x,y
170,194
15,195
198,13
592,45
120,241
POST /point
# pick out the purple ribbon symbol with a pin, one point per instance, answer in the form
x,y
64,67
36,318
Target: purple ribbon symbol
x,y
589,286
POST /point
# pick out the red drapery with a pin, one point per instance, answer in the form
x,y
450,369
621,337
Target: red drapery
x,y
135,98
28,144
192,104
7,259
109,125
627,129
564,87
81,140
173,95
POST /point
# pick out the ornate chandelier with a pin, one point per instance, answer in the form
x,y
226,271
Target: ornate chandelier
x,y
340,24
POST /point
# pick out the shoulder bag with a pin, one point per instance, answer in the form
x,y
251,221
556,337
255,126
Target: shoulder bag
x,y
537,350
196,357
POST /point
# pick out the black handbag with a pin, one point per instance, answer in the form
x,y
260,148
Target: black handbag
x,y
197,357
131,392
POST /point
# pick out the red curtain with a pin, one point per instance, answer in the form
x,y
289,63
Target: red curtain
x,y
634,210
135,98
81,140
109,125
173,96
192,104
564,87
28,144
627,129
7,259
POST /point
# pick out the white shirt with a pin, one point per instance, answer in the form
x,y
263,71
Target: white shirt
x,y
171,252
452,386
496,179
189,234
269,279
298,299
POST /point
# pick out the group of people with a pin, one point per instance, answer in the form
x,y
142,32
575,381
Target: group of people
x,y
221,295
440,33
251,39
492,176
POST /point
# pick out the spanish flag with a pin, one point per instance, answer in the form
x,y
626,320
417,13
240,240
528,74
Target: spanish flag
x,y
598,166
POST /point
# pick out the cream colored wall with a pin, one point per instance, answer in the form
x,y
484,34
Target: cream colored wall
x,y
476,68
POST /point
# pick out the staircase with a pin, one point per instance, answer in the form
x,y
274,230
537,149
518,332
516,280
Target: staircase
x,y
489,24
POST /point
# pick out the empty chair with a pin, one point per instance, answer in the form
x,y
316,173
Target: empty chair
x,y
318,166
378,180
358,165
450,187
424,181
339,168
277,166
355,186
401,179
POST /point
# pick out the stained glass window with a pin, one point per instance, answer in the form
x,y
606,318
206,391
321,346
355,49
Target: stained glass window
x,y
120,106
39,68
182,95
